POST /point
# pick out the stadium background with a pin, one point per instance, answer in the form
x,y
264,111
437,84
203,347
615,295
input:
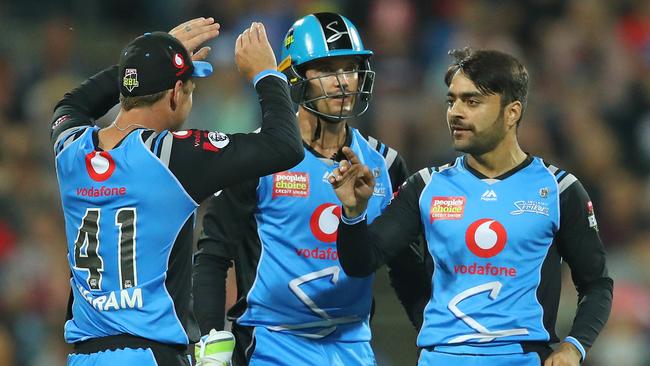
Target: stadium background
x,y
589,112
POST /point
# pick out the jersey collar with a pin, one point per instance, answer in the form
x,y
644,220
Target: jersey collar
x,y
479,175
96,139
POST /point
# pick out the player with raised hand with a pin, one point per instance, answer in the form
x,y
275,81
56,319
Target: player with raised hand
x,y
295,305
130,190
498,223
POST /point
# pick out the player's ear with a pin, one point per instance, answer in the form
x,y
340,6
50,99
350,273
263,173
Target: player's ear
x,y
176,95
513,113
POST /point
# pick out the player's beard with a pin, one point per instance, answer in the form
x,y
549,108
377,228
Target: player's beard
x,y
485,141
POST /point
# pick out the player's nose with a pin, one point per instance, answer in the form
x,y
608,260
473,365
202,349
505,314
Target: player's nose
x,y
342,79
455,111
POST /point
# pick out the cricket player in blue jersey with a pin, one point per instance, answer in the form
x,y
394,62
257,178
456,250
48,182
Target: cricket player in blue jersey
x,y
130,190
498,223
296,306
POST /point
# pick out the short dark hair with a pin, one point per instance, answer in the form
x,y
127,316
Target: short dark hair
x,y
129,103
493,72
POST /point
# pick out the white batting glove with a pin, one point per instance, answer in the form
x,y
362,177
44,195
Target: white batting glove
x,y
215,349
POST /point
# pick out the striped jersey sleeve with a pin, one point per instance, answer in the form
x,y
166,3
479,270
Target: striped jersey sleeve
x,y
396,165
579,244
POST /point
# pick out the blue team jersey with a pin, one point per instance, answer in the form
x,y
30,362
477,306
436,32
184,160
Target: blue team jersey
x,y
299,285
123,211
488,239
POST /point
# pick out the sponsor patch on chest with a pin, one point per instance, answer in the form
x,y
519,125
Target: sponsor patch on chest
x,y
290,184
447,208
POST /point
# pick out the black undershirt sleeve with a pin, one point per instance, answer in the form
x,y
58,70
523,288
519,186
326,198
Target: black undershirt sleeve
x,y
362,248
398,173
407,272
89,101
580,246
223,229
278,146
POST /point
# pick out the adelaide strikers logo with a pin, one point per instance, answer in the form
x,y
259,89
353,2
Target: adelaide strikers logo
x,y
100,165
324,222
336,34
486,237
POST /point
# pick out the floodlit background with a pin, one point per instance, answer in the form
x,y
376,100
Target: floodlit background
x,y
589,113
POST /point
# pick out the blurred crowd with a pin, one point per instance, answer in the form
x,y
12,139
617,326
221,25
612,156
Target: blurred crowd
x,y
588,112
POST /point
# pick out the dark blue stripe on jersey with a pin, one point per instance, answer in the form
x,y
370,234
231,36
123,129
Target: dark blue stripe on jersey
x,y
72,136
152,147
379,145
146,134
157,145
561,176
558,172
382,149
59,146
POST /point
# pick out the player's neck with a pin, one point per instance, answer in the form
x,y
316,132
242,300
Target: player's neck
x,y
127,121
327,138
505,157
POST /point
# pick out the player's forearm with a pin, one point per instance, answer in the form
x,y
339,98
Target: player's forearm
x,y
279,137
89,101
594,306
209,289
362,249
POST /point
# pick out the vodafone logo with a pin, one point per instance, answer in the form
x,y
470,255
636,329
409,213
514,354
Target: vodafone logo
x,y
178,61
324,222
486,238
100,165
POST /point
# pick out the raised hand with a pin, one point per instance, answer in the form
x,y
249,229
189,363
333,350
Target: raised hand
x,y
353,183
195,32
253,53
